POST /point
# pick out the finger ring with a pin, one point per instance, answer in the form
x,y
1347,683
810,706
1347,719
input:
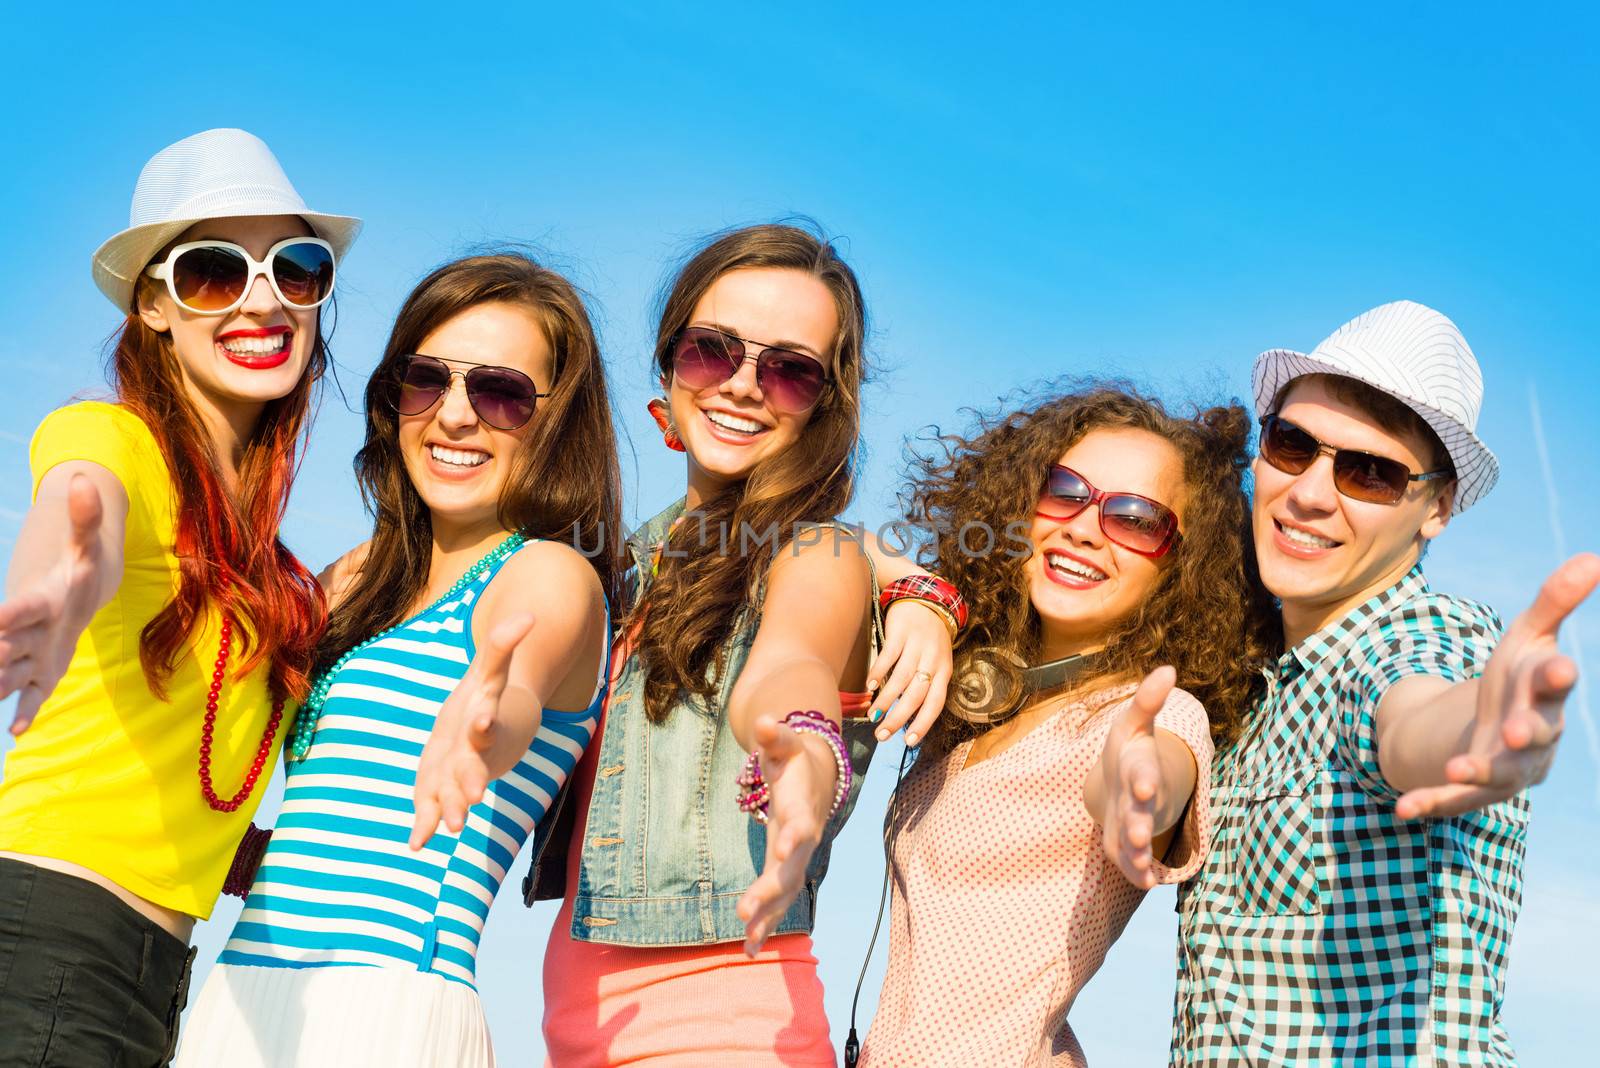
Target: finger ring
x,y
925,676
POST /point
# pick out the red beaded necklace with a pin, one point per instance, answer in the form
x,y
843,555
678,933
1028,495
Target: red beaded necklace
x,y
209,729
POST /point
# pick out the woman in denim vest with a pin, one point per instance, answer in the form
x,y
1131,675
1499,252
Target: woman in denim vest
x,y
684,936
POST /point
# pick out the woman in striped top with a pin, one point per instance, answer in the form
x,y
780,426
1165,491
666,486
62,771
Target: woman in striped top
x,y
435,684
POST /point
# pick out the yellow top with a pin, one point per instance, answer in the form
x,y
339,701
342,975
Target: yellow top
x,y
108,775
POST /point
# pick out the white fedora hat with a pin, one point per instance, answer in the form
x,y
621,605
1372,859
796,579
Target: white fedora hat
x,y
1415,355
212,175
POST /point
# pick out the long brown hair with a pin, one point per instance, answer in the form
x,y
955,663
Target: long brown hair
x,y
689,610
1208,616
564,484
228,549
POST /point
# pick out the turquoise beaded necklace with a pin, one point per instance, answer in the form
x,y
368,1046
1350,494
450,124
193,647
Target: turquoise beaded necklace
x,y
305,721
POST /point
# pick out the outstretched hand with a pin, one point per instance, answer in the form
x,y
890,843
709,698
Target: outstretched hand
x,y
801,778
1520,704
40,625
469,746
1132,767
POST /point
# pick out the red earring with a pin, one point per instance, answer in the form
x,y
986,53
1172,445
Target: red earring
x,y
663,418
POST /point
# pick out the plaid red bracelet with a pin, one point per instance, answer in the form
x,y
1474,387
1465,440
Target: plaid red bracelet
x,y
930,588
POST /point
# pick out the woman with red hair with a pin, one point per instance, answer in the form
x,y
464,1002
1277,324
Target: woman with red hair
x,y
154,625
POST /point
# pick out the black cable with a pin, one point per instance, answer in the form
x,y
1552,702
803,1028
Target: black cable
x,y
852,1046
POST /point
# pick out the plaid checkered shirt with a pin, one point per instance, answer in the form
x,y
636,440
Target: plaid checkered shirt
x,y
1323,931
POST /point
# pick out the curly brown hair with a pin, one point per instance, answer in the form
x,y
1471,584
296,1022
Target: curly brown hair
x,y
689,611
1209,616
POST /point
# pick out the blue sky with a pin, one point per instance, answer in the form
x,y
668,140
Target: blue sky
x,y
1050,192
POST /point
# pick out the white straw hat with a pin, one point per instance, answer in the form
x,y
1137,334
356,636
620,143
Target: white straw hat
x,y
212,175
1415,355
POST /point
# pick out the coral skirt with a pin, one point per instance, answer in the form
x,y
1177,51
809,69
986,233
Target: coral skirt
x,y
695,1007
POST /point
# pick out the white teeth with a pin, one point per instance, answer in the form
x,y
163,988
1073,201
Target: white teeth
x,y
1306,538
1069,566
256,346
458,457
734,423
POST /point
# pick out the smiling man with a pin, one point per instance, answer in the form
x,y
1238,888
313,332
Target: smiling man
x,y
1371,821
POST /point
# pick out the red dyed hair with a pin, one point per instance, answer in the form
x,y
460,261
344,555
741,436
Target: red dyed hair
x,y
228,550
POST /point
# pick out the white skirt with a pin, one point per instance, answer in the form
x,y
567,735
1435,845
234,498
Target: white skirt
x,y
335,1017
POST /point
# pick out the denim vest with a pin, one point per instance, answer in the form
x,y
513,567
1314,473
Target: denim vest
x,y
667,853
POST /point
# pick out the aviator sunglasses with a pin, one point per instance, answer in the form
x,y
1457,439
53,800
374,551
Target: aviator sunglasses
x,y
1359,475
213,277
503,397
703,357
1136,523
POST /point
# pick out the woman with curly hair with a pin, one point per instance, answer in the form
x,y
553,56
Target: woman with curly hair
x,y
1096,537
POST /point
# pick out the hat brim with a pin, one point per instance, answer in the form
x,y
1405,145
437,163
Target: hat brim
x,y
118,262
1477,469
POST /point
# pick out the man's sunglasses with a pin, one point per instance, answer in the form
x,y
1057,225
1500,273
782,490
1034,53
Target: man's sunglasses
x,y
213,277
1136,523
503,397
1361,476
791,381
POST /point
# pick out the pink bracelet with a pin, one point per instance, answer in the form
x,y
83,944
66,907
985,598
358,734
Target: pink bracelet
x,y
757,794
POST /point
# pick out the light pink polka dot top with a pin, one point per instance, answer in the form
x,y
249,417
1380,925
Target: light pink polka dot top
x,y
1004,902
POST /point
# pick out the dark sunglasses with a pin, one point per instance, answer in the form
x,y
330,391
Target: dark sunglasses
x,y
213,277
1136,523
503,397
702,357
1361,476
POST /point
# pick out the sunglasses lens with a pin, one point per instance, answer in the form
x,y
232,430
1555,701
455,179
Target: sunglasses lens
x,y
1374,479
792,380
704,358
304,273
1142,525
503,398
422,383
1287,447
1065,494
209,278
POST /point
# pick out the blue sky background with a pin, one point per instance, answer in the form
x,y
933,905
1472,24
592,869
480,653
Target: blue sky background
x,y
1051,191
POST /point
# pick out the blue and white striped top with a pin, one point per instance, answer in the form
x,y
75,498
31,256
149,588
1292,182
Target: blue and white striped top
x,y
338,884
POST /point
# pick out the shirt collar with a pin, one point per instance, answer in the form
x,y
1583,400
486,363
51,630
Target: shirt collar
x,y
644,541
1331,642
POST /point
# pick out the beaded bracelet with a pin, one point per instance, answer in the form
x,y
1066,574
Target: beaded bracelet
x,y
931,589
757,794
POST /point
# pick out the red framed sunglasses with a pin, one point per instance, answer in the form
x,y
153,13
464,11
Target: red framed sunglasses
x,y
1136,523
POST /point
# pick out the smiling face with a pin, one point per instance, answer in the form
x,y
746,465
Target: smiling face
x,y
1081,583
729,428
234,364
458,463
1320,552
